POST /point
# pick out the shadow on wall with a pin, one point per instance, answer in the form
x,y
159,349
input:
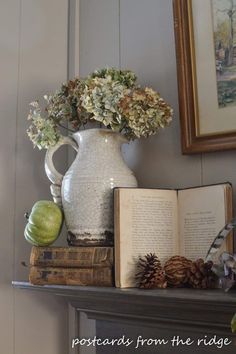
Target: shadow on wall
x,y
158,162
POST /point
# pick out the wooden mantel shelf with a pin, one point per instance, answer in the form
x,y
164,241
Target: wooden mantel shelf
x,y
208,311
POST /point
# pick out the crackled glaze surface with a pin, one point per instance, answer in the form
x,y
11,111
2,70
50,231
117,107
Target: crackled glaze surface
x,y
87,187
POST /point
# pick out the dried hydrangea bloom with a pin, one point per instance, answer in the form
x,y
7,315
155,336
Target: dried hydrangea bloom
x,y
108,96
66,105
42,132
125,77
101,98
145,112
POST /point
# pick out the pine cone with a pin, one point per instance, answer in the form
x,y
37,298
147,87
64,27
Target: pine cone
x,y
176,271
151,274
200,275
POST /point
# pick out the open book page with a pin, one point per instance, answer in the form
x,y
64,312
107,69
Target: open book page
x,y
202,213
147,223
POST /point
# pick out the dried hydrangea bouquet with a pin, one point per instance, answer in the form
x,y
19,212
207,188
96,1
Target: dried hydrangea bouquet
x,y
123,111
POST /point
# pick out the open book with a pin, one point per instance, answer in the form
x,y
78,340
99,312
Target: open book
x,y
167,222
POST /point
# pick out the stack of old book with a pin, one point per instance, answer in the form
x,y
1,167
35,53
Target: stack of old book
x,y
71,266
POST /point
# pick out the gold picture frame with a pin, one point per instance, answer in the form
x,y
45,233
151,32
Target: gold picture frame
x,y
195,110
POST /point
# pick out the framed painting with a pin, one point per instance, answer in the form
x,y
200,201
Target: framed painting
x,y
205,36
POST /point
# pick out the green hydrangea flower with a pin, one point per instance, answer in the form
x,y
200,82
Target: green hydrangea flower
x,y
42,132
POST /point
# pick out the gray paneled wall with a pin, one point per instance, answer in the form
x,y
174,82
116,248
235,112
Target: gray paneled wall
x,y
99,35
33,46
8,112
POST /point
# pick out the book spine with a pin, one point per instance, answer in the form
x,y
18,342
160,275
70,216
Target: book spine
x,y
117,237
83,257
71,276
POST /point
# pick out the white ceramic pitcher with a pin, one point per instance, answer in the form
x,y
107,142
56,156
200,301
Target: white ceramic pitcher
x,y
87,187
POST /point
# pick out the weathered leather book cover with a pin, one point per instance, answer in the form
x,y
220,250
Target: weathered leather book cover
x,y
102,276
80,257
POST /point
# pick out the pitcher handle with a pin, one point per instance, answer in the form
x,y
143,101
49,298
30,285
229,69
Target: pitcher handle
x,y
53,175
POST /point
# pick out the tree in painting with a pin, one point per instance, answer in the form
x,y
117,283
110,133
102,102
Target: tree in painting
x,y
224,18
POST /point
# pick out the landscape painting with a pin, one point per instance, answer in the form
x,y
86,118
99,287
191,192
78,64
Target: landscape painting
x,y
224,20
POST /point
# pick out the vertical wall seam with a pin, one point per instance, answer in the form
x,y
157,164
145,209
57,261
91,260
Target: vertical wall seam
x,y
119,33
201,166
15,170
77,38
68,38
71,39
73,6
